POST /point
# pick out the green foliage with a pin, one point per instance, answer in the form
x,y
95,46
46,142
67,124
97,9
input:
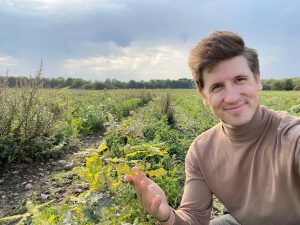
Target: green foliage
x,y
167,109
8,148
295,109
31,214
87,119
125,147
280,100
27,120
286,84
78,83
149,130
41,124
109,200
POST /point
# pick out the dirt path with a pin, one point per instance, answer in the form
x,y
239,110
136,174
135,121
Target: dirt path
x,y
43,181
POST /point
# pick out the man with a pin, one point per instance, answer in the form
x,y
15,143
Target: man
x,y
249,161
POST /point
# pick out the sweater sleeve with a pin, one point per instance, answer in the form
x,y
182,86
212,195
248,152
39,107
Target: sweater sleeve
x,y
290,132
294,142
196,201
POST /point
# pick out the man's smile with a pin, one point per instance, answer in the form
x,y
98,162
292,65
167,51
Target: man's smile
x,y
235,109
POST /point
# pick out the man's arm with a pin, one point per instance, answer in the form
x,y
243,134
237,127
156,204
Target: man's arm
x,y
196,203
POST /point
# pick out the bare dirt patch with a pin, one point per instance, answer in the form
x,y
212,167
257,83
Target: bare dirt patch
x,y
41,182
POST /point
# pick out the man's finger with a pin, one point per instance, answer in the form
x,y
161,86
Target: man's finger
x,y
135,169
138,188
156,203
127,179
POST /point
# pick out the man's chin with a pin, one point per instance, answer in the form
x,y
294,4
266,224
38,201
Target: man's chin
x,y
236,121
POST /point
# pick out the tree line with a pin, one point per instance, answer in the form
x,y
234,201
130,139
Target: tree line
x,y
286,84
183,83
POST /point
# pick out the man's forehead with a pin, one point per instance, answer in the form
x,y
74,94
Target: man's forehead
x,y
227,69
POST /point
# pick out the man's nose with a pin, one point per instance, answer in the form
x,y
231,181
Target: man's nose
x,y
232,95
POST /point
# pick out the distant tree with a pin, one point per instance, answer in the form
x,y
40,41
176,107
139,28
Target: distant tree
x,y
266,87
68,82
296,82
108,83
185,83
87,86
53,83
131,84
99,85
77,83
288,84
266,84
151,84
60,82
277,85
12,81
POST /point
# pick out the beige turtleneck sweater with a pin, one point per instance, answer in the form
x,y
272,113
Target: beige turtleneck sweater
x,y
252,169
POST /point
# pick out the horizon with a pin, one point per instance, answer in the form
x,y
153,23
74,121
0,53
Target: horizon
x,y
103,81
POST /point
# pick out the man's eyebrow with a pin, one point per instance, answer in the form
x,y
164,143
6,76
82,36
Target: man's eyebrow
x,y
240,76
211,86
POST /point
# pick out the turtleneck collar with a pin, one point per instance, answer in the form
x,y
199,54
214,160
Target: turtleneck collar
x,y
250,130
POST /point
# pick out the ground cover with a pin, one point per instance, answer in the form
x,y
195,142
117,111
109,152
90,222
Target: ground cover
x,y
152,131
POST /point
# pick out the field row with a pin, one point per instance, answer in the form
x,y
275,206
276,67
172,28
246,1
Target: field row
x,y
148,129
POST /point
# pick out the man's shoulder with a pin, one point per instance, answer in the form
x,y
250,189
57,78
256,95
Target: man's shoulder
x,y
200,146
208,134
282,117
287,125
206,138
285,118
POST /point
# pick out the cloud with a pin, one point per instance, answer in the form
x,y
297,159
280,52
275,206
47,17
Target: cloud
x,y
58,7
6,60
7,63
125,38
137,62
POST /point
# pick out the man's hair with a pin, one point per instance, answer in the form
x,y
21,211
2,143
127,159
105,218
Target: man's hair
x,y
216,47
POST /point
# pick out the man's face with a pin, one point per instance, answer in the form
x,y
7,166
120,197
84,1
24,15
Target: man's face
x,y
231,91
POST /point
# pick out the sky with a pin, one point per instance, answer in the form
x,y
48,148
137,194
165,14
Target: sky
x,y
140,39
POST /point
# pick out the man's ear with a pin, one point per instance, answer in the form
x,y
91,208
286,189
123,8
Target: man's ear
x,y
203,96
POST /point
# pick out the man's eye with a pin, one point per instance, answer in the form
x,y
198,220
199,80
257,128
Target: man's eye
x,y
216,88
240,79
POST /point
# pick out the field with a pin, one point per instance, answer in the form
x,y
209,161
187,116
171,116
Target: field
x,y
151,129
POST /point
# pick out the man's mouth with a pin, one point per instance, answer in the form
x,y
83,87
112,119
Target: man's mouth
x,y
235,108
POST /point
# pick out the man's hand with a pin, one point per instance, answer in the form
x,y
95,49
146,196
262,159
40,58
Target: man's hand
x,y
150,195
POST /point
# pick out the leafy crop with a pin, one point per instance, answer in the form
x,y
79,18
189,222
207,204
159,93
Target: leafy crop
x,y
150,130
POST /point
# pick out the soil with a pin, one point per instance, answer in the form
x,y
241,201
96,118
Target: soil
x,y
41,182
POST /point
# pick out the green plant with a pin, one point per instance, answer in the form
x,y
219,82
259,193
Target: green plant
x,y
295,109
27,120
